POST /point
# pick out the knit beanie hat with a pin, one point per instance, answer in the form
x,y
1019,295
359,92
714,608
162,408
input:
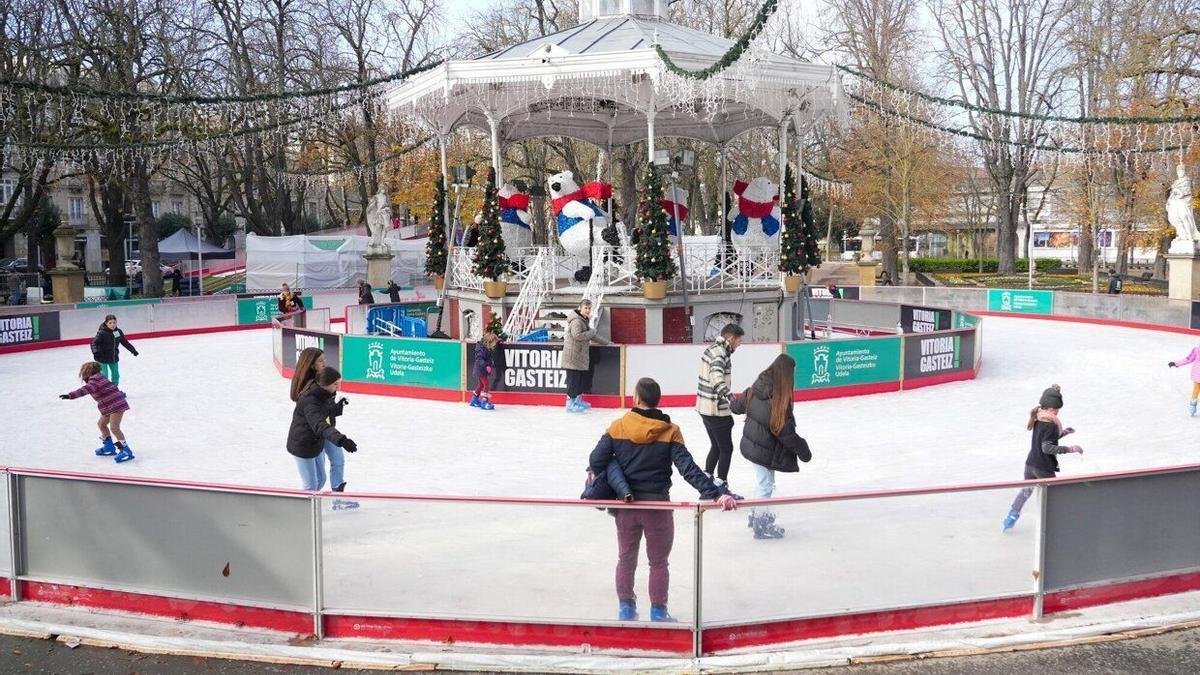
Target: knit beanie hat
x,y
1052,397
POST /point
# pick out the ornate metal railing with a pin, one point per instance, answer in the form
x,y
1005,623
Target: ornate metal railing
x,y
462,269
536,285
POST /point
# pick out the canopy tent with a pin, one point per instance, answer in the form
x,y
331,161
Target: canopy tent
x,y
324,261
183,245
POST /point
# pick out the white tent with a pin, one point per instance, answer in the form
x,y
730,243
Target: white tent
x,y
324,261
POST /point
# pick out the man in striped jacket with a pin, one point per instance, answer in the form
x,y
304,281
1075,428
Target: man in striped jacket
x,y
712,401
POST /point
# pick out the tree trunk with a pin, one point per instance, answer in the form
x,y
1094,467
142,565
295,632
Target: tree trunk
x,y
1006,233
152,283
1087,248
887,244
629,170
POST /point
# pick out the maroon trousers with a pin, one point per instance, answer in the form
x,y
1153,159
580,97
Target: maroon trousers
x,y
659,529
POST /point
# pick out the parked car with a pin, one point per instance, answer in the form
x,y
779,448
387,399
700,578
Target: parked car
x,y
19,266
133,267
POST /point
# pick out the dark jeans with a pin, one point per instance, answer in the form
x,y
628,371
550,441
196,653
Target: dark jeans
x,y
577,383
659,528
720,437
1031,473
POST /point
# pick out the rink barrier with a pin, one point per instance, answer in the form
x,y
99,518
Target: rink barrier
x,y
938,346
260,557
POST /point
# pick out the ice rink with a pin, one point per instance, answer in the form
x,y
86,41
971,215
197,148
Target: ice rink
x,y
212,408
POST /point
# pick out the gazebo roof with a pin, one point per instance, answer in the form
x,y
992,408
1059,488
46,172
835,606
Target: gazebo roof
x,y
598,80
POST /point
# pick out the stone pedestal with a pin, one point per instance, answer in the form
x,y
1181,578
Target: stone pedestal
x,y
67,285
1183,274
379,269
866,272
67,279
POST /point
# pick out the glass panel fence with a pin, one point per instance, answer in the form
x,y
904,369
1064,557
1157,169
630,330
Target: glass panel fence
x,y
507,561
866,554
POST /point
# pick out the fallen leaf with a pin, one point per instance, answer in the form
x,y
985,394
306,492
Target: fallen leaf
x,y
225,572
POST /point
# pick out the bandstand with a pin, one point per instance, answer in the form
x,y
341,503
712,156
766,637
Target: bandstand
x,y
603,81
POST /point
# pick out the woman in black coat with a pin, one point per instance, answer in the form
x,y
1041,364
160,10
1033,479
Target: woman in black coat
x,y
106,348
312,425
769,438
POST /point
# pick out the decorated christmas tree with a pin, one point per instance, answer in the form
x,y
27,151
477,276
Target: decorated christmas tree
x,y
496,325
812,252
435,248
654,245
798,240
490,259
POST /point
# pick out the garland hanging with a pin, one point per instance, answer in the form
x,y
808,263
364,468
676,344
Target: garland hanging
x,y
731,55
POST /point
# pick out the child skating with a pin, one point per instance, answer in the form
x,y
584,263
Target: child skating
x,y
112,404
106,348
1042,461
485,359
1193,358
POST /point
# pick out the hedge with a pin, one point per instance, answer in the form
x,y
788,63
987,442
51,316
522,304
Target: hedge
x,y
970,265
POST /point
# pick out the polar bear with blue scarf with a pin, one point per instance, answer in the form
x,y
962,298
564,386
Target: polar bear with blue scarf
x,y
579,218
755,216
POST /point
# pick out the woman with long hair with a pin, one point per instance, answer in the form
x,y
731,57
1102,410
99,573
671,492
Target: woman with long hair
x,y
309,364
769,438
311,430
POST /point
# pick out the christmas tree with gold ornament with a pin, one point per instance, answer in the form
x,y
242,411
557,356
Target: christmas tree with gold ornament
x,y
654,244
491,262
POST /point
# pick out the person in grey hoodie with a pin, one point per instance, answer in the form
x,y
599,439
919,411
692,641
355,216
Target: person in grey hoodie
x,y
576,354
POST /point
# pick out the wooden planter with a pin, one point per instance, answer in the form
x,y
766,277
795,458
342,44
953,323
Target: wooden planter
x,y
654,290
791,283
495,289
439,280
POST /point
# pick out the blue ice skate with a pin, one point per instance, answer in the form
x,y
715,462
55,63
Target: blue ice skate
x,y
627,611
1011,520
474,400
108,448
582,403
573,406
486,404
124,455
659,613
1192,409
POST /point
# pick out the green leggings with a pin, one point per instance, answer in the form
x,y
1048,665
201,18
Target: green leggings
x,y
112,371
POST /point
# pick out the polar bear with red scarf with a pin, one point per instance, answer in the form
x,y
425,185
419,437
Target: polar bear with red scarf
x,y
514,218
755,216
578,216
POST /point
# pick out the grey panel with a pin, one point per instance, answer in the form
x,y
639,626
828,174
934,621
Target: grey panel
x,y
1122,528
169,541
81,323
173,316
5,549
860,313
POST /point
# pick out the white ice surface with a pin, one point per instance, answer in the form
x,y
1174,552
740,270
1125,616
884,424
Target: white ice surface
x,y
212,408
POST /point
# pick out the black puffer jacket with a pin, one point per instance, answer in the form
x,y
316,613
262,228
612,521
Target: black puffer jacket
x,y
311,423
105,345
759,445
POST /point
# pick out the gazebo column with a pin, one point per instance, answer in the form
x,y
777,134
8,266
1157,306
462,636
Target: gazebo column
x,y
724,183
650,132
783,157
494,125
442,142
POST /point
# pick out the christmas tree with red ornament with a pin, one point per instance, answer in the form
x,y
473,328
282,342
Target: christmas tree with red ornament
x,y
798,240
654,244
435,248
491,262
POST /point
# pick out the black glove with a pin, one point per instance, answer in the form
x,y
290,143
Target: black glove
x,y
64,397
136,354
349,445
1172,364
343,401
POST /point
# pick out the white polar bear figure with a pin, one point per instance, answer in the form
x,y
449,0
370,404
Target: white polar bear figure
x,y
674,201
579,218
755,216
514,218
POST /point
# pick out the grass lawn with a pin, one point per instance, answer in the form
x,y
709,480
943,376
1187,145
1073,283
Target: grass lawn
x,y
1054,282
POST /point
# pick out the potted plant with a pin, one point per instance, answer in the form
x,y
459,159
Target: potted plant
x,y
653,263
491,262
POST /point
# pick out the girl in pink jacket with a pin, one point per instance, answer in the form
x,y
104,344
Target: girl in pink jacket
x,y
1193,358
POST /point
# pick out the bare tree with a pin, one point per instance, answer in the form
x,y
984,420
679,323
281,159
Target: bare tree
x,y
1006,55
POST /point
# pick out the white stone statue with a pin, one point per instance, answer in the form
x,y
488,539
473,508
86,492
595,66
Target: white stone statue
x,y
379,219
1181,215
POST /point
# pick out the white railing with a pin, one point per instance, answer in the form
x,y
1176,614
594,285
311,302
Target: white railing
x,y
536,285
708,267
462,269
